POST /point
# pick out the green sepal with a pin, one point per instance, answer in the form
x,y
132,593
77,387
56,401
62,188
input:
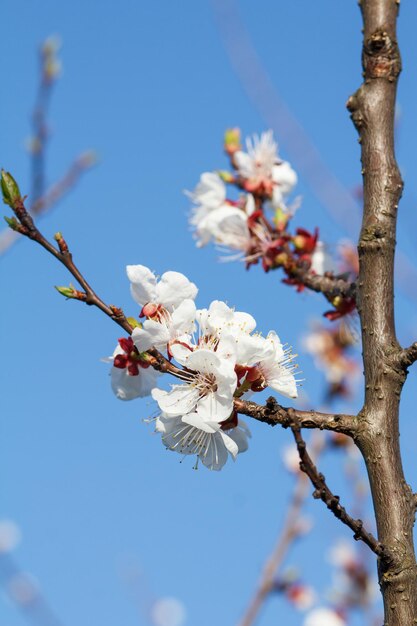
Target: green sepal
x,y
134,322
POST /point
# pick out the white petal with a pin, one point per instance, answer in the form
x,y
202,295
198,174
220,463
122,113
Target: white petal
x,y
252,348
230,444
152,334
181,400
143,283
204,360
215,455
173,288
244,163
193,419
183,318
210,191
284,176
277,345
181,348
250,206
283,381
240,438
128,387
214,408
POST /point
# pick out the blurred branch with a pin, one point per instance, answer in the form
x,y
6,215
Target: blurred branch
x,y
289,533
42,199
25,594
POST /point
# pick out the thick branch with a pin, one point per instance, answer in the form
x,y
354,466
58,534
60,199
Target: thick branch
x,y
323,493
372,109
273,413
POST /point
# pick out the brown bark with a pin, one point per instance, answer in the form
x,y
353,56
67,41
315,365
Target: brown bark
x,y
372,108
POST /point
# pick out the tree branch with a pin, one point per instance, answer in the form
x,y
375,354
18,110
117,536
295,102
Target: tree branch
x,y
323,493
408,356
273,413
330,286
27,227
372,110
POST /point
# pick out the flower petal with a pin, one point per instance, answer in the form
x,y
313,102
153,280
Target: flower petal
x,y
143,283
152,334
173,288
128,387
181,400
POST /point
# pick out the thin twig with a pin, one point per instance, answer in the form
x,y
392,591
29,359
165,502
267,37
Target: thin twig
x,y
27,227
42,199
332,501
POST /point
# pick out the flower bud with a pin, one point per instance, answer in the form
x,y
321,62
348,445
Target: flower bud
x,y
227,177
232,140
12,222
9,188
67,292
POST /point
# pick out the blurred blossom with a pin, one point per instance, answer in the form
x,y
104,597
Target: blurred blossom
x,y
329,346
22,588
52,66
303,525
168,612
291,459
342,554
301,596
348,257
322,261
323,617
9,536
353,586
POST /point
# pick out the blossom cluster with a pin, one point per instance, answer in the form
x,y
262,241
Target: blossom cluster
x,y
330,347
214,352
254,224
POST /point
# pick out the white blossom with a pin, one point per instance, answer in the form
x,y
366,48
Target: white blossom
x,y
262,168
166,327
168,612
260,158
9,536
191,435
342,554
322,616
277,369
210,191
207,389
168,292
210,198
321,260
127,385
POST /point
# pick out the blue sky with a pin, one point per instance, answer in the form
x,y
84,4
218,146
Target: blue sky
x,y
150,87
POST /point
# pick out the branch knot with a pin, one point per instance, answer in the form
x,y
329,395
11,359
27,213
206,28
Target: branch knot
x,y
381,57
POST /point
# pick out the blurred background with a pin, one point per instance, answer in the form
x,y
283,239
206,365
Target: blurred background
x,y
100,525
